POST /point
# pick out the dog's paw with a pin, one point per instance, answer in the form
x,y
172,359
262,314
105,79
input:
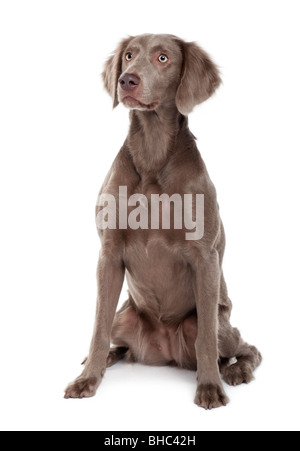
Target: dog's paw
x,y
238,373
210,396
82,387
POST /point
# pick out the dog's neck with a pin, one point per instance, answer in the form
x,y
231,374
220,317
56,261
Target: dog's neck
x,y
152,137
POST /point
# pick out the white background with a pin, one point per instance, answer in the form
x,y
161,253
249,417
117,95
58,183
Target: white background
x,y
59,137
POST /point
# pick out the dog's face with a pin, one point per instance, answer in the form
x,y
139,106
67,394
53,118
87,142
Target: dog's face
x,y
151,69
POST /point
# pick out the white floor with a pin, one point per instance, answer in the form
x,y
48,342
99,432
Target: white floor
x,y
135,397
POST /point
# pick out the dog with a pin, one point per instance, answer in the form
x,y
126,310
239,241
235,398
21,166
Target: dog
x,y
178,310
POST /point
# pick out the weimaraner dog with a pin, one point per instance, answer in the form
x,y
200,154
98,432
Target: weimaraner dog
x,y
178,309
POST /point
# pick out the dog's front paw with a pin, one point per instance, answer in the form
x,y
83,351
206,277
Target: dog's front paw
x,y
210,396
82,387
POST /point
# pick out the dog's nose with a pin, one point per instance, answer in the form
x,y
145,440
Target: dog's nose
x,y
129,81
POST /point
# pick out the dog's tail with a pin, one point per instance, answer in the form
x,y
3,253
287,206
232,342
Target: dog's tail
x,y
115,354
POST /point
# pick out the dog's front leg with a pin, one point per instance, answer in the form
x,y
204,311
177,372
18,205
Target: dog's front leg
x,y
110,277
207,278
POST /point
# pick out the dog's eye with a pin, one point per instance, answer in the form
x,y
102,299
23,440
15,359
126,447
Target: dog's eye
x,y
129,56
163,58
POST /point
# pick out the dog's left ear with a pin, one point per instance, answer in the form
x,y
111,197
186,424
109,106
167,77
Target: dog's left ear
x,y
199,78
112,71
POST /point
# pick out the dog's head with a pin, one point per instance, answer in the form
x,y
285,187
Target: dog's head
x,y
148,70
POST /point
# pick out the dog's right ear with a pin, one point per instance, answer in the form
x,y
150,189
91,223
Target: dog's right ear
x,y
112,71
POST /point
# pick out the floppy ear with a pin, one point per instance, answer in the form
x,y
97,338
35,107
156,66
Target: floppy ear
x,y
199,79
112,71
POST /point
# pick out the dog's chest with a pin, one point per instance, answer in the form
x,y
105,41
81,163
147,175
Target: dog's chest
x,y
161,212
151,209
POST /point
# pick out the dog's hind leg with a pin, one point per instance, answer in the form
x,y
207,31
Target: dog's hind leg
x,y
232,346
248,358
